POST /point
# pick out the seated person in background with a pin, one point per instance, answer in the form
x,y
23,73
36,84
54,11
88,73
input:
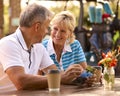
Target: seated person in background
x,y
63,48
22,54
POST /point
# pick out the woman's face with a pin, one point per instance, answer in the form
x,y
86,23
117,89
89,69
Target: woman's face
x,y
59,34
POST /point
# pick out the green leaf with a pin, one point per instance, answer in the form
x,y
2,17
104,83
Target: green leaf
x,y
106,77
90,69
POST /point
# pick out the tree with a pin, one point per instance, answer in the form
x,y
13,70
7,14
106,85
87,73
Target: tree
x,y
1,18
15,10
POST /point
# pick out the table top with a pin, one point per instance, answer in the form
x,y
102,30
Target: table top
x,y
69,90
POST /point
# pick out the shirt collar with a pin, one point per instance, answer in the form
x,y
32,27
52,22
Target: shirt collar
x,y
51,50
67,47
21,39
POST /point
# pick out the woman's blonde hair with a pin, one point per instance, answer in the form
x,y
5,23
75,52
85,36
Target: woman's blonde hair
x,y
65,19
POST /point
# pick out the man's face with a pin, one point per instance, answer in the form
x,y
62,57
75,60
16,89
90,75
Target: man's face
x,y
42,31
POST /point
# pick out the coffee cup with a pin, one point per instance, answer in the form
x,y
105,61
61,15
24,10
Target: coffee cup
x,y
54,79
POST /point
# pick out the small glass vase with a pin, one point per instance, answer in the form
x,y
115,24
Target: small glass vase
x,y
108,78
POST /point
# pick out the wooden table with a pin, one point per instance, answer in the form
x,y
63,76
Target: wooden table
x,y
69,90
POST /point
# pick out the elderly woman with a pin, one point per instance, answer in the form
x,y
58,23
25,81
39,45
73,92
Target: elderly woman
x,y
65,51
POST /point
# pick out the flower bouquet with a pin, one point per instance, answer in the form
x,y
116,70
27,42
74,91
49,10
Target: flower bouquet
x,y
109,61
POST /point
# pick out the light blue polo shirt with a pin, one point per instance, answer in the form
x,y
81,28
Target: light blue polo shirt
x,y
72,54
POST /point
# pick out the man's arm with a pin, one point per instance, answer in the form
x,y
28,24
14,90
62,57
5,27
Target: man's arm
x,y
24,81
69,75
44,71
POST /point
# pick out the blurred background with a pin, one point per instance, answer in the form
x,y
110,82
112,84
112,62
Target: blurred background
x,y
97,22
10,11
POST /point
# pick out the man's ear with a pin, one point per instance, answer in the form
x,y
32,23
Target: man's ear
x,y
37,26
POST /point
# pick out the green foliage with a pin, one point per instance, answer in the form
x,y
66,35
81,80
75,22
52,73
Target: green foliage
x,y
116,36
60,6
90,69
70,6
106,77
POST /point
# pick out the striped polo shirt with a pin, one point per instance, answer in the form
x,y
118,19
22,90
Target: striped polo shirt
x,y
72,54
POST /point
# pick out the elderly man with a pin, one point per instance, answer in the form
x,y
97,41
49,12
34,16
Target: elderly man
x,y
22,55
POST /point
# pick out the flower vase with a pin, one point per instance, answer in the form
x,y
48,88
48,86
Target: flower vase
x,y
108,78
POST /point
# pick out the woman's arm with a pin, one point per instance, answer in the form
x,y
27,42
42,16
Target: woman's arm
x,y
84,65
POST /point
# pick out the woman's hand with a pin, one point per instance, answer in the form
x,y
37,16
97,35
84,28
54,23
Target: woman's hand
x,y
91,80
71,73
